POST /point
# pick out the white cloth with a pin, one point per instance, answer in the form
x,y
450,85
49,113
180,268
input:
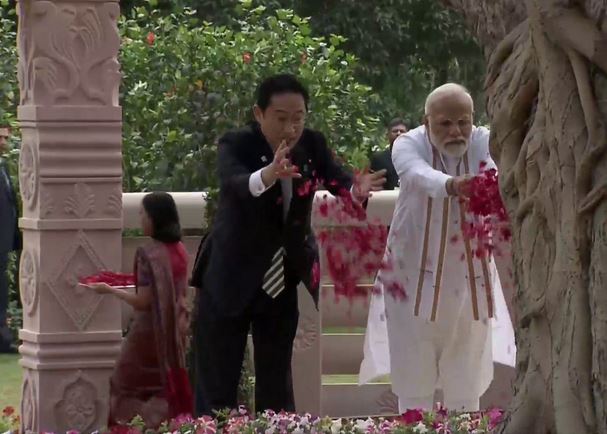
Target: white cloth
x,y
454,352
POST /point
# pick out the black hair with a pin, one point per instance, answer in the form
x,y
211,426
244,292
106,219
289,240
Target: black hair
x,y
395,122
280,84
162,211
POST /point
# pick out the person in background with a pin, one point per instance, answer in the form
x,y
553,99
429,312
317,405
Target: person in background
x,y
10,240
150,379
382,160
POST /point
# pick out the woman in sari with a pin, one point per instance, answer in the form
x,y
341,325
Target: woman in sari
x,y
150,379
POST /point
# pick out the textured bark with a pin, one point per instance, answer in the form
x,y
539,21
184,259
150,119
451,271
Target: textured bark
x,y
546,90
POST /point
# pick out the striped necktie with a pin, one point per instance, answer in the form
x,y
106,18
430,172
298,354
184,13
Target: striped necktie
x,y
274,279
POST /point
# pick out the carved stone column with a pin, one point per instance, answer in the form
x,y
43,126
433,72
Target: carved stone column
x,y
70,177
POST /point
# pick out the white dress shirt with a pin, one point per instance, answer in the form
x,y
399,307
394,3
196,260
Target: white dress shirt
x,y
257,188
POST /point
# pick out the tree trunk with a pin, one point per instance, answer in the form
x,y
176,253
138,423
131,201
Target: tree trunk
x,y
546,90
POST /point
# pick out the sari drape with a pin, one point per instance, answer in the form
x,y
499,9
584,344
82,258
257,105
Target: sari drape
x,y
150,378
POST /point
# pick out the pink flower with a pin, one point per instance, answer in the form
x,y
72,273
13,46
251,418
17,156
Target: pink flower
x,y
150,38
305,189
487,217
205,425
315,274
396,290
354,249
182,419
495,416
443,429
8,411
323,209
412,417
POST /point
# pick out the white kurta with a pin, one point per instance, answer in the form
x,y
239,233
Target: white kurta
x,y
450,329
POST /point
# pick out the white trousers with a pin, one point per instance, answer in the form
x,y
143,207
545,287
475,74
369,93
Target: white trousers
x,y
453,353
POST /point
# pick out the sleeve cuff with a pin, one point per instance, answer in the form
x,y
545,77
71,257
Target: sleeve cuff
x,y
256,185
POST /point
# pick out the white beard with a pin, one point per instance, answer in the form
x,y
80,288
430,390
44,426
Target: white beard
x,y
455,151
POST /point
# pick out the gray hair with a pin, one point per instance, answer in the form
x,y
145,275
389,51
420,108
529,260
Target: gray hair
x,y
445,90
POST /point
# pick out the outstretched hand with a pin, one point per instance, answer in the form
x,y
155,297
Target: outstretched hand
x,y
460,186
100,288
280,167
365,183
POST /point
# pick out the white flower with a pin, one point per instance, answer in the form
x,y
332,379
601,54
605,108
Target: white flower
x,y
420,428
336,426
364,425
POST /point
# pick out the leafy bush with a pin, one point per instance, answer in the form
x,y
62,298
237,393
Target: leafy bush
x,y
187,82
405,47
9,98
9,90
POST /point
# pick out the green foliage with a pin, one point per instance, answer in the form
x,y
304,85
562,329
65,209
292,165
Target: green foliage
x,y
405,47
14,313
9,89
191,81
9,99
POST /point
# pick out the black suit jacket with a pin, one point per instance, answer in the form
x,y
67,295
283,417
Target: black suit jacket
x,y
10,237
383,160
248,230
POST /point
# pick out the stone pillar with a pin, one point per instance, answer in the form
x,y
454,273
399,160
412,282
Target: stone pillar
x,y
70,173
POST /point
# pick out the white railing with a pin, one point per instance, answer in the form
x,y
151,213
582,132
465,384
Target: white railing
x,y
190,205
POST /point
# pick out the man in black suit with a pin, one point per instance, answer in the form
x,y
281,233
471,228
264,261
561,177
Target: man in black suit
x,y
10,240
261,247
383,160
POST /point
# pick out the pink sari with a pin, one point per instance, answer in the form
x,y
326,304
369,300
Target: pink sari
x,y
150,379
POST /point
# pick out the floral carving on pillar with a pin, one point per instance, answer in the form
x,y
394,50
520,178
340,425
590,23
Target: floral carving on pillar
x,y
306,335
47,204
68,53
113,207
81,203
28,174
77,410
81,260
28,280
29,411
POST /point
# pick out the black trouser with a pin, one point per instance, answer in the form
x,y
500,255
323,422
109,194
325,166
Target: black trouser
x,y
219,351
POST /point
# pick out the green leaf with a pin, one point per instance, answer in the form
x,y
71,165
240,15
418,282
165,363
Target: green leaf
x,y
171,136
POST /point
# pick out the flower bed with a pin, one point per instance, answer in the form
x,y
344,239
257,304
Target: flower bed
x,y
439,421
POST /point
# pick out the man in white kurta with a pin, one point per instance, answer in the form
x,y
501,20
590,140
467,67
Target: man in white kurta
x,y
442,336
